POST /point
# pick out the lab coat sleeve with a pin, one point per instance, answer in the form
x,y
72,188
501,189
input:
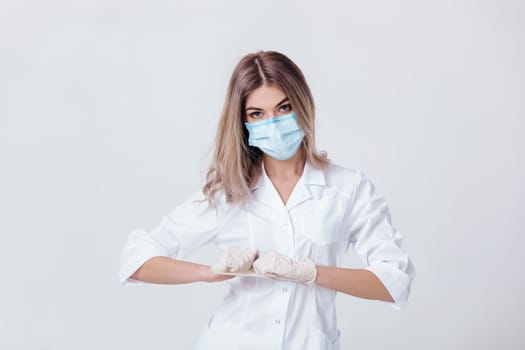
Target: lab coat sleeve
x,y
187,227
377,242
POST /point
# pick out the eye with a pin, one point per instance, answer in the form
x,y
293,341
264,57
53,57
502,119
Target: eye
x,y
255,114
287,107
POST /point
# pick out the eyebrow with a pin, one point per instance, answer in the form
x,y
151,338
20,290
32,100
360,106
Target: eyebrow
x,y
259,109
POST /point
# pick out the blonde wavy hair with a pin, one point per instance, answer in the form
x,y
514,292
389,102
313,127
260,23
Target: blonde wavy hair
x,y
236,166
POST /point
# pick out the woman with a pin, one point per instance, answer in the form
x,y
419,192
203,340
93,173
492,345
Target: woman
x,y
283,215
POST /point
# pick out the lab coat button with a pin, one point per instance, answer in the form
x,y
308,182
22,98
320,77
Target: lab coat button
x,y
285,290
277,321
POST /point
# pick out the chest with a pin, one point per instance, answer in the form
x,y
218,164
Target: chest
x,y
284,189
314,228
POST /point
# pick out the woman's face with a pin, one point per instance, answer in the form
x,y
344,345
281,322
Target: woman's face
x,y
267,101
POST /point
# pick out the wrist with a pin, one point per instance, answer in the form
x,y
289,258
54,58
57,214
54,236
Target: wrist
x,y
311,267
204,273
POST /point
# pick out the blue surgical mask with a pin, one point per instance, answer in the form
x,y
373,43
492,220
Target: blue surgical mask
x,y
278,137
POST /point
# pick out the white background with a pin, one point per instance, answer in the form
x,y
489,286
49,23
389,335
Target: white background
x,y
107,110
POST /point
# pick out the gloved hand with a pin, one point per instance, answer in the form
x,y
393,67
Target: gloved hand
x,y
235,259
279,266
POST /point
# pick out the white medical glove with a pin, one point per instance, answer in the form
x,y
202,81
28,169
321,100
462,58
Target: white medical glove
x,y
279,266
235,259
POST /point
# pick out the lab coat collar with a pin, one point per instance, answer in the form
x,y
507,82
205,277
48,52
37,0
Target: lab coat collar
x,y
264,190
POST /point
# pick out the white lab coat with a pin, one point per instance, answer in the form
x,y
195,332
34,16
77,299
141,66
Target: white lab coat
x,y
328,211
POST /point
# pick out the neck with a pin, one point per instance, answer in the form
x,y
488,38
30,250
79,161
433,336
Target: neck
x,y
284,169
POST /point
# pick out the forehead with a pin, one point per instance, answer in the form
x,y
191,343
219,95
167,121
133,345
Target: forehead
x,y
265,96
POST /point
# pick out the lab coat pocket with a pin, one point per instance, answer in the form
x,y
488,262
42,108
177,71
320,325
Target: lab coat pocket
x,y
320,225
318,339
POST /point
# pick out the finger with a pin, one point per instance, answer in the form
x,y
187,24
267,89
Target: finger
x,y
258,267
263,264
253,251
240,260
220,265
253,254
244,258
235,263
